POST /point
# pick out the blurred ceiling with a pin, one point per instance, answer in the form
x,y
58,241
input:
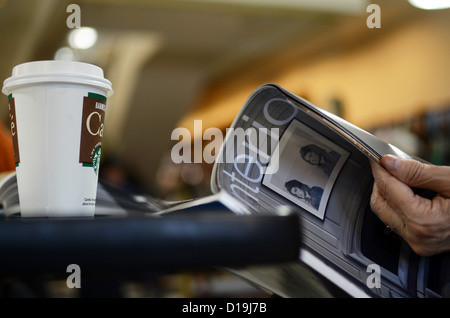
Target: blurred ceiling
x,y
161,55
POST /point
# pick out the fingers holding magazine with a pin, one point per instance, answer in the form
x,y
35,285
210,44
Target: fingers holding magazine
x,y
423,223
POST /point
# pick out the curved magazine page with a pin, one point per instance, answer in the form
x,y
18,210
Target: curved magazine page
x,y
282,152
368,144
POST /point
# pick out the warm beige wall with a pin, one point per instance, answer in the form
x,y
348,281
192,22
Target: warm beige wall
x,y
397,74
390,79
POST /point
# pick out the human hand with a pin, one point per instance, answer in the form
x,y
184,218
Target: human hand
x,y
424,224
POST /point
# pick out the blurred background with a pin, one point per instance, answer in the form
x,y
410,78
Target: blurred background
x,y
175,61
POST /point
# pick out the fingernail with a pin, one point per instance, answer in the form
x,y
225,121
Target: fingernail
x,y
391,162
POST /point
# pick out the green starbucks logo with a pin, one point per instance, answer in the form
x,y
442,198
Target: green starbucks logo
x,y
96,159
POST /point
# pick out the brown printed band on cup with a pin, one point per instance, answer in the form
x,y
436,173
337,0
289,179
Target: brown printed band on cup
x,y
13,125
94,109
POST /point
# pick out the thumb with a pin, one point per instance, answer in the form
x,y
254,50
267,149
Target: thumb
x,y
418,174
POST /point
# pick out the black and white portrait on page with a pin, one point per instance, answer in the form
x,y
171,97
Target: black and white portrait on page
x,y
309,164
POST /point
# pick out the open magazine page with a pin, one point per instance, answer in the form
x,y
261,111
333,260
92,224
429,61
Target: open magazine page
x,y
218,202
283,152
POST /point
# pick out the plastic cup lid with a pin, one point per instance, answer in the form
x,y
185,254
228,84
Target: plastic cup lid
x,y
56,71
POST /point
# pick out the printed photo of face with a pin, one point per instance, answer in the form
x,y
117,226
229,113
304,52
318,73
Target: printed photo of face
x,y
312,157
319,157
309,165
298,192
310,195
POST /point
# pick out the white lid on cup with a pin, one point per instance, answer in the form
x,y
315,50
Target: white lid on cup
x,y
56,71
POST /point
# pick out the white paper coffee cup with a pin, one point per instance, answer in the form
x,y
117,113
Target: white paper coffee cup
x,y
57,111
